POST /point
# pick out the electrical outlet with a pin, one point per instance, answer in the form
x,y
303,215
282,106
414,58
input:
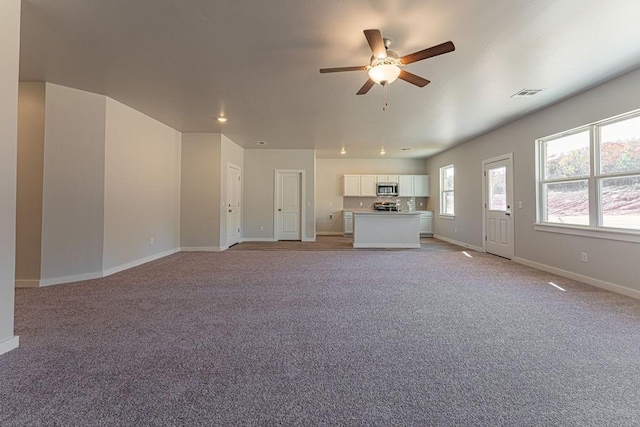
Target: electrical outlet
x,y
152,241
262,228
455,230
520,204
584,257
421,204
360,203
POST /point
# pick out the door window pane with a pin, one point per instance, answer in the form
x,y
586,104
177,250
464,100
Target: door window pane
x,y
621,202
567,157
568,202
498,189
620,147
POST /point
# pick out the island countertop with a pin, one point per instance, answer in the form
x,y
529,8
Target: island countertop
x,y
391,213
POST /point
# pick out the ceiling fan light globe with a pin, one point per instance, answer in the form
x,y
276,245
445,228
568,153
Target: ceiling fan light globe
x,y
384,74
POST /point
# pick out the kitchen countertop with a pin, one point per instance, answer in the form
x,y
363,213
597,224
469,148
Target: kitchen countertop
x,y
372,211
392,213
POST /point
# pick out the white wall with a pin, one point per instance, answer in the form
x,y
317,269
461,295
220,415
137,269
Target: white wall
x,y
259,176
73,188
200,206
9,52
31,109
610,262
330,183
142,188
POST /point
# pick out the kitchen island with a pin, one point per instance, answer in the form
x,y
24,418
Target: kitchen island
x,y
386,229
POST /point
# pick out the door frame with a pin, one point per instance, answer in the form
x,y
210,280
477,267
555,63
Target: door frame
x,y
303,204
509,158
239,169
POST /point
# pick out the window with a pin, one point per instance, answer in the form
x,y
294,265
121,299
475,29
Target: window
x,y
446,191
590,177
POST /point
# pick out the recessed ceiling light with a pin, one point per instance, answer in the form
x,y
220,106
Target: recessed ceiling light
x,y
382,151
343,151
222,119
260,142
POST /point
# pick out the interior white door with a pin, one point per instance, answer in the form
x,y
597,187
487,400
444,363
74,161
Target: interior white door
x,y
234,189
289,207
498,207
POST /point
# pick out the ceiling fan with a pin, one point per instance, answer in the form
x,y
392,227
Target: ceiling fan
x,y
385,64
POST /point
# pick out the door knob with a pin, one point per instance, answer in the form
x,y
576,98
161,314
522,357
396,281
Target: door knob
x,y
507,213
230,210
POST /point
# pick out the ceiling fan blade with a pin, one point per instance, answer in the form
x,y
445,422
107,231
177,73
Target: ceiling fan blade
x,y
339,69
428,53
365,87
413,79
374,37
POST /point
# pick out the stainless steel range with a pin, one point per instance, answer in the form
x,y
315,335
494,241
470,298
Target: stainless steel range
x,y
385,206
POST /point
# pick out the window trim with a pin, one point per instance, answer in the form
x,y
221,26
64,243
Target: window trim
x,y
595,228
443,214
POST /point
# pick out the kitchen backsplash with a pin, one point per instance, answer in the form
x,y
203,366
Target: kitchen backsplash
x,y
367,202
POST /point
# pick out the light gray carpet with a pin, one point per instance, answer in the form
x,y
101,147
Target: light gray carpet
x,y
324,338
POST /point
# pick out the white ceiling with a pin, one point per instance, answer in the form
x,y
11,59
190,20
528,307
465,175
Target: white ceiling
x,y
184,62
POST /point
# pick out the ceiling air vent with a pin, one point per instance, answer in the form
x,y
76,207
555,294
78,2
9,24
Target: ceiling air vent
x,y
260,142
526,93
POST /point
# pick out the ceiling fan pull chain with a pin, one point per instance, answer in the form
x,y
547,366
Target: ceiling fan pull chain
x,y
384,104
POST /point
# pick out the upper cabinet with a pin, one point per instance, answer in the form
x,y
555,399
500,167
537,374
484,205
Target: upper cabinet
x,y
421,185
352,185
368,185
413,186
360,185
365,185
387,178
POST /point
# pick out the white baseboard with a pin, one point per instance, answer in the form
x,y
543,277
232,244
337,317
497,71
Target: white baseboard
x,y
9,344
455,242
70,279
258,239
27,283
201,249
580,278
308,239
122,267
96,274
329,233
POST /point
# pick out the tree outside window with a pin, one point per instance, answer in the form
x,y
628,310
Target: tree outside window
x,y
591,176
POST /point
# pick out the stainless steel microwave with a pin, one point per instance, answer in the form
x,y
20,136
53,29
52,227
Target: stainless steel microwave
x,y
387,189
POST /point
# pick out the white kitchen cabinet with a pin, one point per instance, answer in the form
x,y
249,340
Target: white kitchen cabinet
x,y
368,185
347,217
387,178
352,185
405,186
413,186
426,223
421,185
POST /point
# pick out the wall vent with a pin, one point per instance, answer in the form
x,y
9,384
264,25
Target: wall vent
x,y
260,142
526,93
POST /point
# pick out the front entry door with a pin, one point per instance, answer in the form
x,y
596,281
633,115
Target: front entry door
x,y
233,208
288,206
498,204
